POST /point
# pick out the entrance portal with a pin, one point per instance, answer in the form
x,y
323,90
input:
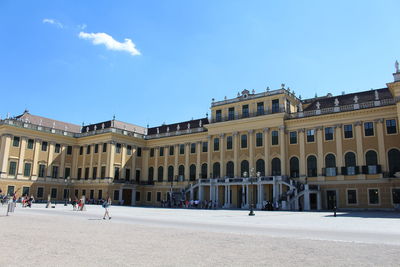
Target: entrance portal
x,y
127,196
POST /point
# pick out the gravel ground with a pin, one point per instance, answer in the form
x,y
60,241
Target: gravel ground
x,y
166,237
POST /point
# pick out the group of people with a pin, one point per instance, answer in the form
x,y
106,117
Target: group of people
x,y
27,201
191,204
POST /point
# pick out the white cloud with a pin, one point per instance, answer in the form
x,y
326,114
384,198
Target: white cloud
x,y
54,22
110,42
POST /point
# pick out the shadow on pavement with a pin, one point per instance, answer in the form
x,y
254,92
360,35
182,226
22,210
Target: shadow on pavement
x,y
368,214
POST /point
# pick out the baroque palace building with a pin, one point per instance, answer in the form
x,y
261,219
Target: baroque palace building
x,y
308,154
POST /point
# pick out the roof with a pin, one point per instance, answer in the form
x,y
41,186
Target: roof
x,y
174,127
114,124
50,123
348,99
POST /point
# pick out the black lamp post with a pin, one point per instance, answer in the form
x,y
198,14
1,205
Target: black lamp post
x,y
66,180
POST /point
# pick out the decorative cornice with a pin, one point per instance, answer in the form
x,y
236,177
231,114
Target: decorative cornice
x,y
381,120
266,130
358,123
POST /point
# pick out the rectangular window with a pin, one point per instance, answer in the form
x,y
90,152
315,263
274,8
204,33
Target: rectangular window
x,y
100,194
158,196
351,196
83,192
12,170
243,141
94,174
229,142
103,172
275,106
116,173
231,113
129,150
368,128
161,151
259,139
245,111
148,198
105,147
396,195
193,148
69,150
260,108
348,131
10,190
218,115
91,195
44,146
216,144
139,152
40,192
79,173
27,169
25,191
328,133
137,196
67,172
127,174
171,150
42,170
293,138
181,149
118,148
274,138
81,150
54,172
54,193
151,152
76,192
57,148
205,146
137,175
87,170
16,141
373,196
88,149
96,148
30,144
391,127
310,136
116,195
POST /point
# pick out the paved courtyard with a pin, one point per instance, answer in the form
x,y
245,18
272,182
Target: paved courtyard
x,y
171,237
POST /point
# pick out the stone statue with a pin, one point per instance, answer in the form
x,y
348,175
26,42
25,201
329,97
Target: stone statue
x,y
376,95
336,102
396,66
355,99
178,127
268,89
87,128
167,129
158,130
300,107
102,125
200,124
318,105
188,126
54,124
253,91
95,127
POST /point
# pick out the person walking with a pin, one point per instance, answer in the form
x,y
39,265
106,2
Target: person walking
x,y
106,205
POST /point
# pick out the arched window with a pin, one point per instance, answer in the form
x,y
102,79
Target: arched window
x,y
192,172
160,173
276,167
170,173
371,159
244,167
229,169
394,159
181,172
216,170
294,167
311,166
330,165
260,167
204,170
350,164
151,174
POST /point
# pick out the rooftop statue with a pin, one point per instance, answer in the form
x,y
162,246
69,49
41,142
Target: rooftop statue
x,y
336,102
396,66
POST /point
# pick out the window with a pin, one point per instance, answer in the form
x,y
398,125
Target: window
x,y
151,174
369,129
260,108
69,150
80,150
181,149
396,195
192,172
351,196
193,148
311,166
103,172
79,173
57,148
137,176
205,146
328,133
94,173
293,138
160,174
259,139
116,195
216,144
91,194
67,172
170,175
54,193
44,146
96,148
105,147
330,165
391,127
116,173
350,164
88,149
294,167
204,170
158,196
76,192
348,131
171,150
276,166
274,138
137,196
245,111
244,168
161,151
139,152
42,170
229,142
40,192
10,190
393,160
260,167
118,148
54,172
16,141
231,113
129,150
373,196
100,194
12,168
288,106
83,192
87,170
27,169
218,115
30,144
216,170
243,141
230,169
151,152
275,106
148,198
25,191
181,171
310,136
371,159
127,174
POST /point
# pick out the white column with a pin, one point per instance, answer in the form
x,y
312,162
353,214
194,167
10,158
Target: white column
x,y
50,158
91,161
320,152
251,149
209,167
156,151
222,155
62,166
123,165
133,166
22,148
187,153
266,152
35,159
302,161
198,162
381,144
283,150
165,174
5,150
100,152
236,164
359,144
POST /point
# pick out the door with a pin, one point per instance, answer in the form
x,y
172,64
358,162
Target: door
x,y
239,197
331,199
127,196
313,201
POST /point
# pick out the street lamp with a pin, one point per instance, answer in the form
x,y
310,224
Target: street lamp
x,y
66,180
251,213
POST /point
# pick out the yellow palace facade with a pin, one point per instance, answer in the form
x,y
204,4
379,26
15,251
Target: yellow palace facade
x,y
308,154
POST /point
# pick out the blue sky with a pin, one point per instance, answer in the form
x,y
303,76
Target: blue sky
x,y
181,54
